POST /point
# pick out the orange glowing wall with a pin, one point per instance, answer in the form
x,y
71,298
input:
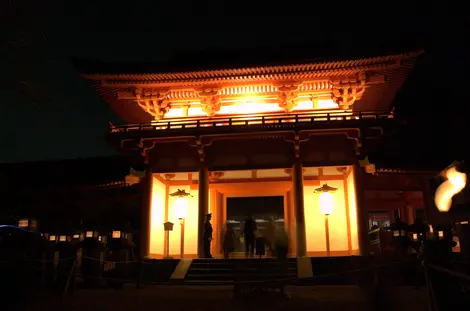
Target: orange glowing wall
x,y
351,189
191,222
315,222
157,218
249,106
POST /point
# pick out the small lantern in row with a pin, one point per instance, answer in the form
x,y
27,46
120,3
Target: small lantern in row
x,y
398,233
116,234
91,234
30,224
78,236
431,234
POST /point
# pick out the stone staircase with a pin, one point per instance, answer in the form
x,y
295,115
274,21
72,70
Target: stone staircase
x,y
227,271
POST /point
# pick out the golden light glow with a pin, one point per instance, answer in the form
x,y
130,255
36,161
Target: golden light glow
x,y
250,107
455,182
181,207
326,203
175,113
315,221
190,223
352,204
157,218
304,105
116,234
326,104
195,112
339,202
23,223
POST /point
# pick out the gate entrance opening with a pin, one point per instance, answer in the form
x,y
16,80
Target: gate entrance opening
x,y
261,209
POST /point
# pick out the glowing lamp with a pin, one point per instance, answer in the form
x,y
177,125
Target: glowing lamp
x,y
326,207
454,183
62,238
23,223
326,198
181,203
181,207
116,234
53,238
91,234
415,237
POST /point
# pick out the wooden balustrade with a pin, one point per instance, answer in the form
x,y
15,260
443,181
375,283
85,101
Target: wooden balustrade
x,y
265,121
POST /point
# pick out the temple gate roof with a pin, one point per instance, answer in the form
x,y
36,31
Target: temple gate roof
x,y
184,79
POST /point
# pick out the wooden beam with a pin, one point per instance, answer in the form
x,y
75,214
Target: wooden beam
x,y
254,174
307,179
161,179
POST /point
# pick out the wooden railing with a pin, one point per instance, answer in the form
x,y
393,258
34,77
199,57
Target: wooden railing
x,y
268,121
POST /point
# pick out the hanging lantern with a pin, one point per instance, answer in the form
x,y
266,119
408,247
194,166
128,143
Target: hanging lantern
x,y
326,198
181,203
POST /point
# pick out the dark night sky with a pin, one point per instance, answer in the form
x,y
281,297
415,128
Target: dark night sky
x,y
49,113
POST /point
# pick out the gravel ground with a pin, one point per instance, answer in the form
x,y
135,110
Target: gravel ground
x,y
199,298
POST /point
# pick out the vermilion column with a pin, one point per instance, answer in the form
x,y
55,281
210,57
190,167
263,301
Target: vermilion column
x,y
146,214
203,207
299,214
362,215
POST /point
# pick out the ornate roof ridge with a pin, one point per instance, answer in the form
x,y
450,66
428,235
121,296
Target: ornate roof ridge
x,y
357,64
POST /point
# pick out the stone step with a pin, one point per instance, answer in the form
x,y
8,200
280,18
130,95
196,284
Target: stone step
x,y
209,282
239,260
214,271
214,277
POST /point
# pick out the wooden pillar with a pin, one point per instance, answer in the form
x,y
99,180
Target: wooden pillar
x,y
146,214
362,215
298,192
410,213
203,207
430,210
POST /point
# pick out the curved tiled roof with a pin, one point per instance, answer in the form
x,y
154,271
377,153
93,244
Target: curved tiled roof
x,y
306,69
110,78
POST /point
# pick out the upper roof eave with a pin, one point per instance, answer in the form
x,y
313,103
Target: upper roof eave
x,y
406,171
107,71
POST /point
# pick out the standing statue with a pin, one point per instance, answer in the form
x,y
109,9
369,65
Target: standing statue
x,y
207,239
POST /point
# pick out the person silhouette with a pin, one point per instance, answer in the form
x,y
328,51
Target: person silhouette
x,y
207,238
228,244
249,229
